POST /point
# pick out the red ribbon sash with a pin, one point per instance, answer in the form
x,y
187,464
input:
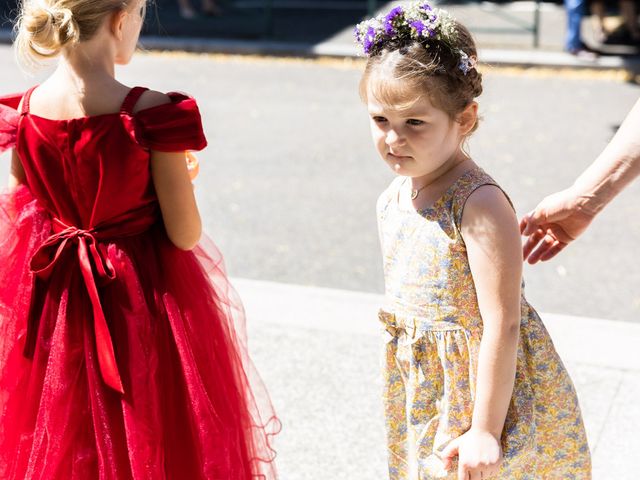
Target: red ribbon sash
x,y
96,269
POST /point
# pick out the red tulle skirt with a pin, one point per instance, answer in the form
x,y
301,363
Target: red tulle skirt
x,y
193,408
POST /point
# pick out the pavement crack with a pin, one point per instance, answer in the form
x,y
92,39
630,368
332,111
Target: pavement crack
x,y
608,414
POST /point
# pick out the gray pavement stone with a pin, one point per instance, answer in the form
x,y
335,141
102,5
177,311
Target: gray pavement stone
x,y
326,343
325,386
597,388
619,442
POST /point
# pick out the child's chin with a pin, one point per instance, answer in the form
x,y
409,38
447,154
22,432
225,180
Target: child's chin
x,y
400,169
395,166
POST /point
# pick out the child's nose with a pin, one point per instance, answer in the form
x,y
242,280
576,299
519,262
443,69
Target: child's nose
x,y
394,138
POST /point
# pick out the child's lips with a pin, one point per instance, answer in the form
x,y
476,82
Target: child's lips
x,y
396,156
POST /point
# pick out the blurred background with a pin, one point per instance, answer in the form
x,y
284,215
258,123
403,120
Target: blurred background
x,y
503,24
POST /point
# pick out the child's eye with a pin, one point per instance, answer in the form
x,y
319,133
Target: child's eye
x,y
378,119
415,122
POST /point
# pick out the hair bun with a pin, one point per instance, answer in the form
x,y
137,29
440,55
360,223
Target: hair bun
x,y
48,28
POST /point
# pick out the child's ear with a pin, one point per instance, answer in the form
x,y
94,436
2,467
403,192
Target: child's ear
x,y
116,23
467,118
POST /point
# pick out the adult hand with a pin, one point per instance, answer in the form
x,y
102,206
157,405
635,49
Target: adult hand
x,y
479,455
557,220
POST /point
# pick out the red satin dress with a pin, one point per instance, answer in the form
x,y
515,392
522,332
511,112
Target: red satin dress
x,y
121,356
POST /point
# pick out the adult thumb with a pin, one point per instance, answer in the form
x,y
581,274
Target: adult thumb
x,y
533,220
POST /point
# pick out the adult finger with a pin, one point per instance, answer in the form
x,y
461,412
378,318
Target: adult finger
x,y
556,248
531,242
545,245
524,221
533,220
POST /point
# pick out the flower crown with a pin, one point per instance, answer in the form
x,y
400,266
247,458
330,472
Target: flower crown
x,y
417,21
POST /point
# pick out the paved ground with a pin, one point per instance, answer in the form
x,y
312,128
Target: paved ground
x,y
318,351
289,183
288,188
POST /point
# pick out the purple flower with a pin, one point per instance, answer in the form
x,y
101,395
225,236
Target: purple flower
x,y
418,23
419,26
394,13
389,28
369,39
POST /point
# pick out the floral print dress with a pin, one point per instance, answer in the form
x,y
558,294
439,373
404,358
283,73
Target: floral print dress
x,y
434,330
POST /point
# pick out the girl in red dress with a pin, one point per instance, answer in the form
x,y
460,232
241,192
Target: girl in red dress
x,y
122,348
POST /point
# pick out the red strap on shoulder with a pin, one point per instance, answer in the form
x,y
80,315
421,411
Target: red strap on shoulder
x,y
131,99
26,99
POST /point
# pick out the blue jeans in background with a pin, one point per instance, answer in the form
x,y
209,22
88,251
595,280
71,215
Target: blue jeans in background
x,y
576,9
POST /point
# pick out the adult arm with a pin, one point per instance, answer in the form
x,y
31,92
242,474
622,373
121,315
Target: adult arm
x,y
562,217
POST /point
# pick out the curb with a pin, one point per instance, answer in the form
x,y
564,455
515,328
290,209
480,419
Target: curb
x,y
495,57
248,47
588,341
539,58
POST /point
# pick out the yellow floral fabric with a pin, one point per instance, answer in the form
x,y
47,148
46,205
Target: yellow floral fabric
x,y
434,328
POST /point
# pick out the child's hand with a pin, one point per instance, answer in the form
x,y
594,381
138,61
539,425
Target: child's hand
x,y
479,455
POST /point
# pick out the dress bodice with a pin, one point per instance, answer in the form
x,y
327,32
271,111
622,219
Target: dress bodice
x,y
427,274
101,160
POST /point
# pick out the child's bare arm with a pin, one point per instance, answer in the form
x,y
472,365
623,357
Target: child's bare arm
x,y
492,237
491,234
173,186
177,201
16,176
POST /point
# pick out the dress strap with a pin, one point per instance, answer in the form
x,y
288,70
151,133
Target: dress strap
x,y
467,184
26,100
131,99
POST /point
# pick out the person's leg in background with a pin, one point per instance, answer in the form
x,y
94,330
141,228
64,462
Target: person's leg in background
x,y
630,17
576,9
598,11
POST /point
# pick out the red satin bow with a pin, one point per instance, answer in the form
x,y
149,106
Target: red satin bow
x,y
96,270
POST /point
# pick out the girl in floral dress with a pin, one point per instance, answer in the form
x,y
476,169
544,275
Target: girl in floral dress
x,y
122,347
474,388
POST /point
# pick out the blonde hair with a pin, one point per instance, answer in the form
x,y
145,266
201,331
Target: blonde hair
x,y
399,75
46,27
